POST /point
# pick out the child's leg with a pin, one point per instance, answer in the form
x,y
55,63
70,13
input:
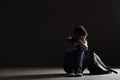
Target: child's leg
x,y
78,60
69,63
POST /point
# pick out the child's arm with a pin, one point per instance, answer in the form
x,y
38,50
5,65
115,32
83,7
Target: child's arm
x,y
83,45
69,47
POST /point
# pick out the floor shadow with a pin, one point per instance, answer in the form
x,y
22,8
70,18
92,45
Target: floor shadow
x,y
88,74
41,76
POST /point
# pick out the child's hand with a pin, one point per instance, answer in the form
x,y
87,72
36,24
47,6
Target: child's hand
x,y
84,47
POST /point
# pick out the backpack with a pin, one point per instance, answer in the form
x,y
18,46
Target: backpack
x,y
95,65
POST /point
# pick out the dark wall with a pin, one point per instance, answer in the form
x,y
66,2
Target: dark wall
x,y
33,31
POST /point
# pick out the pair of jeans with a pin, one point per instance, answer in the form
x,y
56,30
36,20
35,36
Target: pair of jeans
x,y
73,61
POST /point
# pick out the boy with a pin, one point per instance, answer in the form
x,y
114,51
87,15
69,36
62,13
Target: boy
x,y
75,46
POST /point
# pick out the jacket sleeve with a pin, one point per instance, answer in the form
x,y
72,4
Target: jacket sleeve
x,y
69,45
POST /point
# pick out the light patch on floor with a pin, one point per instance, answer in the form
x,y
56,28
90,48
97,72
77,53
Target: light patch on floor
x,y
50,74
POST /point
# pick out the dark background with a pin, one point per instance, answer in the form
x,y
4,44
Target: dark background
x,y
33,31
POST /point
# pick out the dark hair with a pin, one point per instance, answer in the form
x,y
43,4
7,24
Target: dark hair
x,y
80,30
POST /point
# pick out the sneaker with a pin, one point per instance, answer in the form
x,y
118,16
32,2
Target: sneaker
x,y
70,74
79,74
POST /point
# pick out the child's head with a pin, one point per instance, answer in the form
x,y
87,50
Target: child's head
x,y
80,32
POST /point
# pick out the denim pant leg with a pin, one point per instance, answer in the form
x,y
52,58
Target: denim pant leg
x,y
78,60
69,62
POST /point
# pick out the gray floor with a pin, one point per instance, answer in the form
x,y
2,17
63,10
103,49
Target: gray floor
x,y
50,74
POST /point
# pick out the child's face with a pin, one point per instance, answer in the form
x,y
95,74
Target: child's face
x,y
81,37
